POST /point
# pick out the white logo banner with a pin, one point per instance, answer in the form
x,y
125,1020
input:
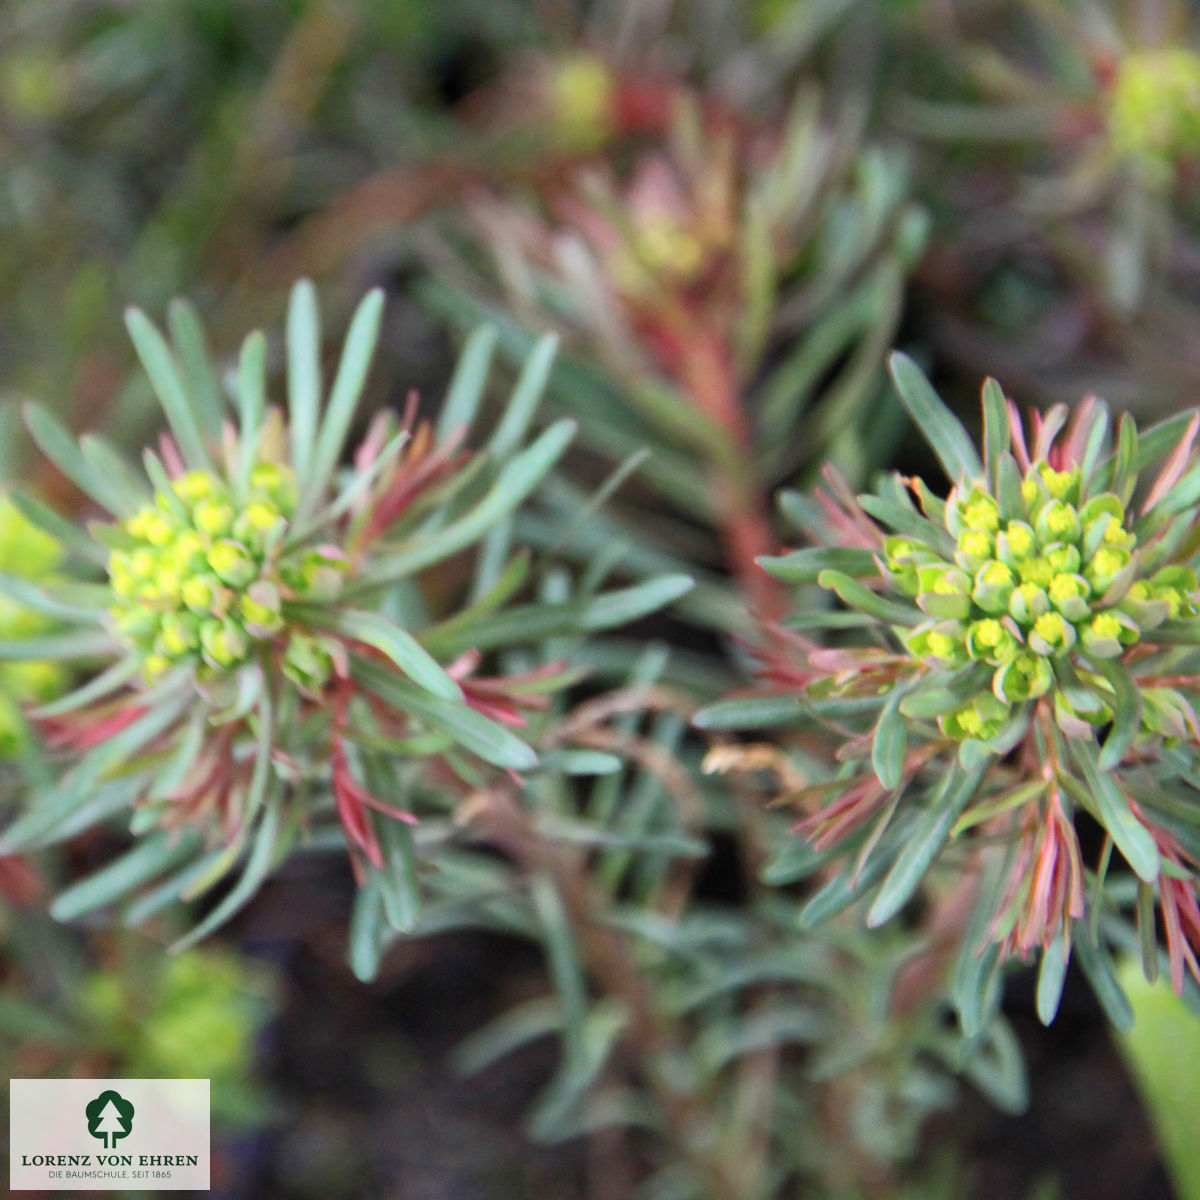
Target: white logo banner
x,y
108,1135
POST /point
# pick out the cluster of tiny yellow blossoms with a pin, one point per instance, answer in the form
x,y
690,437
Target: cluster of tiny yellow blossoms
x,y
200,579
1059,582
1155,105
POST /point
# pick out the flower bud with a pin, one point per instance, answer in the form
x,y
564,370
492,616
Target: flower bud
x,y
179,635
307,663
940,644
1051,635
1107,634
978,512
983,718
902,557
994,584
1027,677
1027,603
1037,571
1062,485
990,640
259,608
231,563
213,517
1069,595
1105,565
224,644
1016,543
194,486
1057,522
975,547
199,593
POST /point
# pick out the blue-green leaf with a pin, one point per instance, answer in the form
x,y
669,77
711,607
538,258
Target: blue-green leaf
x,y
1051,976
199,378
159,364
890,742
346,392
397,644
928,837
940,427
57,443
147,858
303,374
527,393
466,387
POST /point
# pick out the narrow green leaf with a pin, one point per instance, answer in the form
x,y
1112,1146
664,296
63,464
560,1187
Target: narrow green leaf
x,y
252,396
487,739
369,931
1127,714
111,465
170,891
1160,439
67,534
562,956
389,639
928,837
106,682
1124,475
891,741
1008,488
804,566
346,392
57,647
262,855
399,881
1147,930
997,1069
466,387
1052,975
1097,444
149,857
57,443
199,377
37,599
159,365
526,396
997,435
524,1023
940,427
303,374
754,712
1131,837
517,479
535,622
847,887
853,593
1098,967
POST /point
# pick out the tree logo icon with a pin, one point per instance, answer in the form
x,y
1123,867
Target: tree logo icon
x,y
109,1118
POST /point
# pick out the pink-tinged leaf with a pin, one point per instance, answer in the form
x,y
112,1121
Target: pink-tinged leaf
x,y
1169,476
1020,451
1048,427
1075,445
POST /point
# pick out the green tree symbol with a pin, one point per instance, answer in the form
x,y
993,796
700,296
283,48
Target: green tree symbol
x,y
109,1117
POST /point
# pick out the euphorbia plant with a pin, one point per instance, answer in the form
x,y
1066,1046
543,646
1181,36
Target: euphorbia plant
x,y
1021,659
264,647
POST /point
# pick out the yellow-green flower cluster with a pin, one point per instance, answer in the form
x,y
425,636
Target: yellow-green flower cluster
x,y
1154,113
28,553
194,1014
202,579
1060,579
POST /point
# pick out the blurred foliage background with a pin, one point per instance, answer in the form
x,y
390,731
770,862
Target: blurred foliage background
x,y
728,211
